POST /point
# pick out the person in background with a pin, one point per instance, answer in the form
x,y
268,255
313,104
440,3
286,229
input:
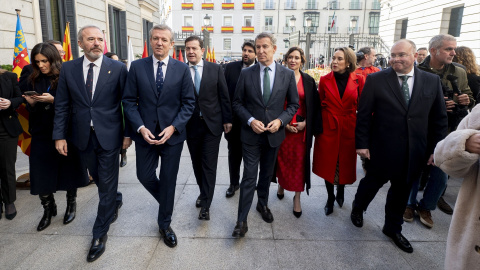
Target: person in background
x,y
366,63
466,57
422,54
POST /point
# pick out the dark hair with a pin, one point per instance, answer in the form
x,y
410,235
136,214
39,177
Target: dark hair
x,y
193,38
249,43
422,48
53,42
298,49
51,53
365,50
350,58
110,54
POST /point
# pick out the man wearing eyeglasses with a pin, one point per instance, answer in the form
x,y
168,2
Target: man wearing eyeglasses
x,y
401,117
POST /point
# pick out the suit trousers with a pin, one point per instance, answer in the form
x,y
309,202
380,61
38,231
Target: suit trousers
x,y
103,166
203,147
8,157
162,188
397,198
253,155
234,153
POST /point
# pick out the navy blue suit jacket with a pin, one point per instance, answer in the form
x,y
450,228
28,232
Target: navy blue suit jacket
x,y
143,105
104,109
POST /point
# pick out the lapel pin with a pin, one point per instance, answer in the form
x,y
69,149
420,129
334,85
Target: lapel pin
x,y
109,72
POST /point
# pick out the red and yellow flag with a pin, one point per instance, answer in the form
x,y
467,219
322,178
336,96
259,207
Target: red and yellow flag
x,y
212,57
209,55
67,44
21,59
180,56
174,56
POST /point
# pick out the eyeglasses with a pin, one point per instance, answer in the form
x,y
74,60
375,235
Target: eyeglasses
x,y
401,56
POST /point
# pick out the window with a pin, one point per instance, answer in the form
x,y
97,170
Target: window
x,y
227,21
455,21
400,29
403,33
268,23
311,4
315,16
290,4
118,31
228,1
187,21
247,21
207,1
227,44
355,4
334,4
147,25
373,23
248,1
269,4
187,1
376,4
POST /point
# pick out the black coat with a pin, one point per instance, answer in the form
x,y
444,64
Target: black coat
x,y
9,90
474,84
400,138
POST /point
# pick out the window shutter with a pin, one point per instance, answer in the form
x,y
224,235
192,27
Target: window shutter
x,y
111,29
71,17
45,19
123,35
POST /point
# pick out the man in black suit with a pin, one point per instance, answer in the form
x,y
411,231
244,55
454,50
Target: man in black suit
x,y
211,117
232,72
90,89
401,117
259,104
158,102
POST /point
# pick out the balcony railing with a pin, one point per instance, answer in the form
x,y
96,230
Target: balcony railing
x,y
354,30
269,5
376,5
290,5
311,29
288,29
355,5
269,28
311,5
334,5
332,30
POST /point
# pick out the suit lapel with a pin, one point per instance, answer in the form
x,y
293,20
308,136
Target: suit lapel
x,y
205,76
256,80
172,65
150,76
103,77
278,80
417,87
392,81
331,86
80,80
352,86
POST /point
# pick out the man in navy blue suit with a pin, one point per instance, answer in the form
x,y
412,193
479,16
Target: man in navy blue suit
x,y
158,102
87,106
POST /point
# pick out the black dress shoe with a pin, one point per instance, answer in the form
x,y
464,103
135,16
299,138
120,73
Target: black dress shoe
x,y
231,190
115,214
198,202
356,216
240,229
295,213
329,206
169,237
280,196
266,214
204,214
399,240
97,248
10,211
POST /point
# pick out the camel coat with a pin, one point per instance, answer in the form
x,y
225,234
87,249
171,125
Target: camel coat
x,y
463,242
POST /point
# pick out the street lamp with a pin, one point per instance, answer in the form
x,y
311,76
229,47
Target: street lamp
x,y
206,34
308,24
353,26
292,22
287,42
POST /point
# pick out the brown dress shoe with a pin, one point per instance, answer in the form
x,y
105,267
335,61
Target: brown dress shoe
x,y
425,217
409,214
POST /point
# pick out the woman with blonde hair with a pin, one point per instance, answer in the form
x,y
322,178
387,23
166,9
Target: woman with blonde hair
x,y
466,57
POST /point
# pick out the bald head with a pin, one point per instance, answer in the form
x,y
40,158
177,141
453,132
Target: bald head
x,y
402,56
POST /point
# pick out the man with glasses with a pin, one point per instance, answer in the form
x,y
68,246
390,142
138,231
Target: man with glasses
x,y
401,117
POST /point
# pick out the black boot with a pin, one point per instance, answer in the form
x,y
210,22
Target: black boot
x,y
340,194
49,210
71,206
331,198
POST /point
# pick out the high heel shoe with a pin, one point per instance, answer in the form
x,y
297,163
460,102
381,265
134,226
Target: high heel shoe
x,y
329,206
296,214
280,196
50,209
340,195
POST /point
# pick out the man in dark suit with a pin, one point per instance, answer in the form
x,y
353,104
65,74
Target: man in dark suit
x,y
90,89
232,72
259,104
401,117
158,102
212,116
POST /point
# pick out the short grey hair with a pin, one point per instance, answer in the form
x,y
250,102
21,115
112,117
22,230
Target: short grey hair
x,y
161,27
412,44
273,40
437,41
80,32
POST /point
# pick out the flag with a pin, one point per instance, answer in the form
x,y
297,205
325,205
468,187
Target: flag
x,y
67,44
213,55
180,56
130,55
174,56
209,55
333,20
105,49
145,50
20,59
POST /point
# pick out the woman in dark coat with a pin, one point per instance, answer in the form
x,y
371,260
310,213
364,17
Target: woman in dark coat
x,y
10,129
293,160
49,171
466,57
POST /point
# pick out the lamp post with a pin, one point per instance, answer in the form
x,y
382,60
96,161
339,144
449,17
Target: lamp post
x,y
292,23
308,24
206,34
353,25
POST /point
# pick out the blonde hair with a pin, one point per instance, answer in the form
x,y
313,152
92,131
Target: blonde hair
x,y
466,57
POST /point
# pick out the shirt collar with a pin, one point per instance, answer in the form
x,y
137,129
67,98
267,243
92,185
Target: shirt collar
x,y
410,74
97,62
200,64
164,60
271,66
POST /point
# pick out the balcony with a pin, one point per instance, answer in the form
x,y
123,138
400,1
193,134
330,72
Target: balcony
x,y
354,30
207,5
290,5
228,5
334,5
187,29
288,29
187,6
248,5
332,30
227,29
209,28
311,5
269,28
269,5
355,5
248,29
376,5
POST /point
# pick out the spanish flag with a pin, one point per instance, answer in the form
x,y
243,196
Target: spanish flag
x,y
67,44
212,57
21,59
209,55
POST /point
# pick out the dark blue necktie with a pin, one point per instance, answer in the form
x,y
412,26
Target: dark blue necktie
x,y
159,79
89,82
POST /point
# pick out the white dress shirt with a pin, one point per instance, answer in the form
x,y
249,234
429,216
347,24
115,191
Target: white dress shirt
x,y
199,70
271,73
410,80
164,67
96,71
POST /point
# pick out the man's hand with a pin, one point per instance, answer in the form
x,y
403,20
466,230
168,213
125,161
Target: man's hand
x,y
4,103
148,136
61,146
126,142
300,125
166,133
463,99
472,144
364,153
430,160
227,127
257,126
450,104
274,125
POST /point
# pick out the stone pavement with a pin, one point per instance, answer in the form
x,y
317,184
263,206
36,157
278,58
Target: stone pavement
x,y
314,241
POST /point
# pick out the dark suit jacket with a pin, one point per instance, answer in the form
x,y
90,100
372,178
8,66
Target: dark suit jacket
x,y
143,105
104,108
248,102
213,100
9,90
232,73
400,138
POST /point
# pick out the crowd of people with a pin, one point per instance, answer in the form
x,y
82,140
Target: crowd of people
x,y
85,113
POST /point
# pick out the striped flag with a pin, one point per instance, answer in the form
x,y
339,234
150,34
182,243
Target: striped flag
x,y
212,57
174,56
67,44
333,20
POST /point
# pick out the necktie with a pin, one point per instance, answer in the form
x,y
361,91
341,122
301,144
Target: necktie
x,y
405,89
266,85
89,82
197,79
159,79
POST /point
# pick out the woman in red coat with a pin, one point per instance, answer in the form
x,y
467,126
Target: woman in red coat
x,y
334,156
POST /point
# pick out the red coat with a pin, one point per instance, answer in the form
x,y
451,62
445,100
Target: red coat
x,y
337,142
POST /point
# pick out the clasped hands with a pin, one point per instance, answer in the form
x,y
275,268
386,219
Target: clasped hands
x,y
258,126
296,127
164,135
